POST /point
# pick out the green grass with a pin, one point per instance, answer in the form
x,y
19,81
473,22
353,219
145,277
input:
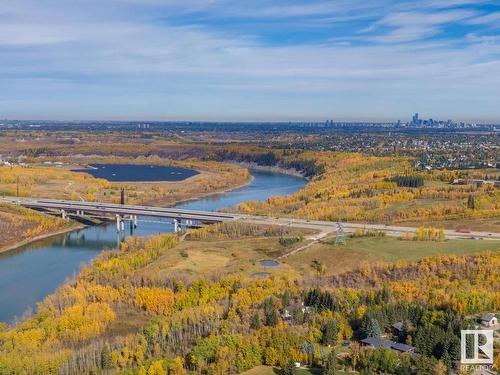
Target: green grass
x,y
392,249
307,371
338,259
261,370
267,370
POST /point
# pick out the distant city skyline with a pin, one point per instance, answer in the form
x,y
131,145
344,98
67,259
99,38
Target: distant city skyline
x,y
344,60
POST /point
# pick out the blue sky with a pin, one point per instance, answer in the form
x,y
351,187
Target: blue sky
x,y
250,60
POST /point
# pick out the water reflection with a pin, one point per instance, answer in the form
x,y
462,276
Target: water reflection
x,y
31,272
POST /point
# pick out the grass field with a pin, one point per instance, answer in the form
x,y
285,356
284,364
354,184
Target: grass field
x,y
384,249
190,259
267,370
481,225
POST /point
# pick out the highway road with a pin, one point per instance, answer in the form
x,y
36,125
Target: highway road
x,y
327,227
321,228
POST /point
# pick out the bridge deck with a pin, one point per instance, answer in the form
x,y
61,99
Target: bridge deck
x,y
118,209
324,227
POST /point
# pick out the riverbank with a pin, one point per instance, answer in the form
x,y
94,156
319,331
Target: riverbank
x,y
14,246
212,194
195,197
29,274
17,245
273,169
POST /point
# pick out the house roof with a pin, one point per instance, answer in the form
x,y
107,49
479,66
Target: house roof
x,y
487,317
378,342
402,347
398,326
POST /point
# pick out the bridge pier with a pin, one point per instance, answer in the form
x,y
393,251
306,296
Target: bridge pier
x,y
176,225
135,221
118,223
63,214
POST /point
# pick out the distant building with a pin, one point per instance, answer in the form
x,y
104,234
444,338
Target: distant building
x,y
397,328
286,316
465,181
488,320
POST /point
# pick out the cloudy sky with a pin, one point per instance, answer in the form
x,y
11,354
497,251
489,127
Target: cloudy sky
x,y
250,60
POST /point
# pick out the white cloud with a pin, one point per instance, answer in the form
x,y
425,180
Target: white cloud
x,y
411,26
488,19
103,54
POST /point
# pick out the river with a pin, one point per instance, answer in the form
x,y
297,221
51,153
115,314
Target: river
x,y
30,273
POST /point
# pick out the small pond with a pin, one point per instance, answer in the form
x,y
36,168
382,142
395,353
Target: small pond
x,y
260,275
138,172
269,263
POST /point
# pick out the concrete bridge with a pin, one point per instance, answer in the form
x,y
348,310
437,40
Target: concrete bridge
x,y
121,213
130,213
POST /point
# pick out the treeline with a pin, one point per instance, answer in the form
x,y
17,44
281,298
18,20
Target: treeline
x,y
355,187
235,229
309,167
408,181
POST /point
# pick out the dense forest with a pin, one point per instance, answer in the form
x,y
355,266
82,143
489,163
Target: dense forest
x,y
356,187
118,317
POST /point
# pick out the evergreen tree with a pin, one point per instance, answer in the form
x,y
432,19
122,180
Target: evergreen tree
x,y
285,299
331,364
330,332
289,369
255,321
106,360
270,312
370,326
471,202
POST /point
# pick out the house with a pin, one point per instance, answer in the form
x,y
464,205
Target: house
x,y
397,328
403,348
477,181
488,320
286,316
378,342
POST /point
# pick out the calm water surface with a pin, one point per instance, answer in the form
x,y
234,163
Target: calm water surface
x,y
30,273
138,172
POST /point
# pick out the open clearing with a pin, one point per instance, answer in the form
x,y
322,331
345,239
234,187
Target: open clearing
x,y
191,259
338,259
268,370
